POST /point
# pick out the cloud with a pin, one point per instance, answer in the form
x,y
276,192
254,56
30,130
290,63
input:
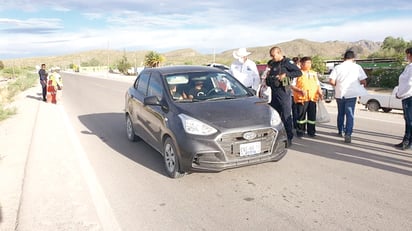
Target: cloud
x,y
30,26
47,27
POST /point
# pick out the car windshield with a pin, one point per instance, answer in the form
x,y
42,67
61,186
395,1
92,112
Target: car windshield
x,y
200,86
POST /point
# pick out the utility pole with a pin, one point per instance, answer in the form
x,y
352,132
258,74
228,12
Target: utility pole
x,y
214,55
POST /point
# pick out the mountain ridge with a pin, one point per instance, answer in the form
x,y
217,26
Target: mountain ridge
x,y
297,47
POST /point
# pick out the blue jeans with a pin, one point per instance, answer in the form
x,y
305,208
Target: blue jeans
x,y
407,115
346,108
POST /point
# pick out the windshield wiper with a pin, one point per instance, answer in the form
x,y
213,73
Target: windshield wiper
x,y
222,97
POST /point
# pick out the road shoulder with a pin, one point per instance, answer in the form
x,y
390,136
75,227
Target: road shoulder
x,y
42,184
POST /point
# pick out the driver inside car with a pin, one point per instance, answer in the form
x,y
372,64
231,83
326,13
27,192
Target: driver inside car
x,y
197,91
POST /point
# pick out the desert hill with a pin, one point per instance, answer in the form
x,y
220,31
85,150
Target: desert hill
x,y
298,47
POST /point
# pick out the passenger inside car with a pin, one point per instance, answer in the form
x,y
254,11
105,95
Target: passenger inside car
x,y
176,95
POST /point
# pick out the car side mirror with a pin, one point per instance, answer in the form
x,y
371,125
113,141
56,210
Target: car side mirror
x,y
251,90
152,100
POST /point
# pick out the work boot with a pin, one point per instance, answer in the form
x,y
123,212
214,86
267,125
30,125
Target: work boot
x,y
400,145
404,145
288,143
348,139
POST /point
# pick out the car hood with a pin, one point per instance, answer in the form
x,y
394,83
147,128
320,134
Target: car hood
x,y
227,114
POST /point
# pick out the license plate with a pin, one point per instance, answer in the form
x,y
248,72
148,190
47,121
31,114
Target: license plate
x,y
250,149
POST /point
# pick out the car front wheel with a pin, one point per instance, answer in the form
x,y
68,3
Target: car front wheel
x,y
171,159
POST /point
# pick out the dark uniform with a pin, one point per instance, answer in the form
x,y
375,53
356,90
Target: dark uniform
x,y
281,93
43,81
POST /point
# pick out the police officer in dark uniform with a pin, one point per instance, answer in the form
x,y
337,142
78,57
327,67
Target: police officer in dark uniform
x,y
282,71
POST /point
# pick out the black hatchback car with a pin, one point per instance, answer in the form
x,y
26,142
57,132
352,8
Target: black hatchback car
x,y
202,119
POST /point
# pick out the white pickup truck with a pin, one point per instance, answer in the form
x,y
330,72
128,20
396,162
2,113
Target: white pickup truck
x,y
374,102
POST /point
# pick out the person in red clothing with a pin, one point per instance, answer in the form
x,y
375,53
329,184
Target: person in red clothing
x,y
52,88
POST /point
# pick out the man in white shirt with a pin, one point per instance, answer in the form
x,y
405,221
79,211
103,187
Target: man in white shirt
x,y
244,69
349,80
405,93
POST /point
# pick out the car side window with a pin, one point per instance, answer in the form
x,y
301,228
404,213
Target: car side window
x,y
155,86
142,83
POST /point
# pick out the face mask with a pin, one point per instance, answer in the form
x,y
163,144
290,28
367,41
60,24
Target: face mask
x,y
241,60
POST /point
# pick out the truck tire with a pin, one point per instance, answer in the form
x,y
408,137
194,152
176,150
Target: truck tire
x,y
373,106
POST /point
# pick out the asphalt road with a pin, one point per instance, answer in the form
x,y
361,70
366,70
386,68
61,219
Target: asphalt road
x,y
321,184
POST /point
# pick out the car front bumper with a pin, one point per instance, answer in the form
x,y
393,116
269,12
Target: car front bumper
x,y
223,152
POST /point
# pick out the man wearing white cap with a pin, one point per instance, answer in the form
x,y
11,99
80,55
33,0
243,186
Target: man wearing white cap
x,y
244,69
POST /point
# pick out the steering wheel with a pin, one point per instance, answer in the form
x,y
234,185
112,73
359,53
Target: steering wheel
x,y
214,90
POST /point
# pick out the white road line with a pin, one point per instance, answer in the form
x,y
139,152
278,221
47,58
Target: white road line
x,y
380,120
396,119
102,205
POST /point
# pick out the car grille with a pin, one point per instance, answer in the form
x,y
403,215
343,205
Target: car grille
x,y
230,142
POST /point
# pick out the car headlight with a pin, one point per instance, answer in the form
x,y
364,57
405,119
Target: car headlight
x,y
196,127
274,118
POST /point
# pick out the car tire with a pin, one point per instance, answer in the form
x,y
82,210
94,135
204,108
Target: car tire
x,y
373,106
171,159
131,135
386,109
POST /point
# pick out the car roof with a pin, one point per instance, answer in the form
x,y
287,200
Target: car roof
x,y
182,68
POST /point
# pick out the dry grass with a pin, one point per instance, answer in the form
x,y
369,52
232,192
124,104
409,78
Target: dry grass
x,y
13,87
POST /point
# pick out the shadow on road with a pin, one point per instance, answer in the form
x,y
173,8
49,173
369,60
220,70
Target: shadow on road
x,y
368,152
371,152
110,128
39,96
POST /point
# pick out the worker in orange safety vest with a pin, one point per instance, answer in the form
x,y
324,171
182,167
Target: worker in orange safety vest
x,y
306,92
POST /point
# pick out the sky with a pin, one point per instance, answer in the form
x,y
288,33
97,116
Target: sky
x,y
35,28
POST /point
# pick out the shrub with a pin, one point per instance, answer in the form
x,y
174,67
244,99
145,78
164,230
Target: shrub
x,y
11,72
384,78
14,87
6,112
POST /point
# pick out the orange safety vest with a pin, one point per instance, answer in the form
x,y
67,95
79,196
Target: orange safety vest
x,y
309,83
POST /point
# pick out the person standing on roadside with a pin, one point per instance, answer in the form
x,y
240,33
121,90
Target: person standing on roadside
x,y
405,93
295,116
282,71
52,87
264,91
43,80
347,78
244,69
306,92
55,84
